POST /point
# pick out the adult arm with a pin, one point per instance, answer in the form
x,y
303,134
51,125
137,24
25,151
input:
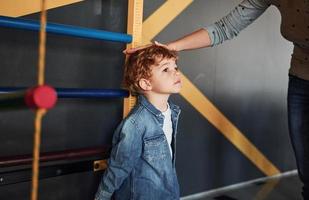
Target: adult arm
x,y
225,29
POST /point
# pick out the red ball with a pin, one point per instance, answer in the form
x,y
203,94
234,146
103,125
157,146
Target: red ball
x,y
41,97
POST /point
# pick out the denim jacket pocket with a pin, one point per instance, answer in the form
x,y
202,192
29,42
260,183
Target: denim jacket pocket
x,y
155,150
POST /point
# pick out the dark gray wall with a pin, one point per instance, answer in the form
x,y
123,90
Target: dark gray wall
x,y
245,78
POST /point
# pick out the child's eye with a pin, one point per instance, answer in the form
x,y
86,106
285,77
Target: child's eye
x,y
176,68
165,70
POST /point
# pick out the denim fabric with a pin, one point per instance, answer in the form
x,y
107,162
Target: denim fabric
x,y
298,113
140,166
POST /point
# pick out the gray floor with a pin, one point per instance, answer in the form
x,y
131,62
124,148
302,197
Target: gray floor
x,y
287,187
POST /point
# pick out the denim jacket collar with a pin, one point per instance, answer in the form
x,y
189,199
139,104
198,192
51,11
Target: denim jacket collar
x,y
144,101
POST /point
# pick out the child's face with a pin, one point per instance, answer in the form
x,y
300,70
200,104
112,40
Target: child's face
x,y
165,77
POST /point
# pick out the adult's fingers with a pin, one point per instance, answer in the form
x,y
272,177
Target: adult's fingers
x,y
167,46
160,44
132,50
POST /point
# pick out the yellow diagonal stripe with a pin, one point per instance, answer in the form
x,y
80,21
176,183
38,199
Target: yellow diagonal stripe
x,y
17,8
267,188
152,27
196,98
166,13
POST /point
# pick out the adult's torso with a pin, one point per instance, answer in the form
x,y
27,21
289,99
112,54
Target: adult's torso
x,y
295,28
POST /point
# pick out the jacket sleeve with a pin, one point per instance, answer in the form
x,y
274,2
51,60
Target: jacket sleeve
x,y
126,150
239,18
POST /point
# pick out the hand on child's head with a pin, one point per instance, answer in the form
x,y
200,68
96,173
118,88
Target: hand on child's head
x,y
167,46
132,50
160,44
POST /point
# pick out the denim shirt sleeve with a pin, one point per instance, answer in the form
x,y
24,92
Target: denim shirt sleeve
x,y
239,18
126,151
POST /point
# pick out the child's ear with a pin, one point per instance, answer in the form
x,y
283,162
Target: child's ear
x,y
145,84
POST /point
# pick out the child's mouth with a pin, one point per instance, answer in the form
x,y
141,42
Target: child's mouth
x,y
177,82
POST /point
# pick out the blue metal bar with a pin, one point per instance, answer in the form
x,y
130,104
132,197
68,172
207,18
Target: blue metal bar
x,y
77,93
65,29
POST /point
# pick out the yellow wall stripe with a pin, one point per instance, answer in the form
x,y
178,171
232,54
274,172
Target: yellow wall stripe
x,y
155,23
215,117
17,8
267,188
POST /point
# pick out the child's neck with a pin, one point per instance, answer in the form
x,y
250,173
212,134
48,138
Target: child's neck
x,y
158,100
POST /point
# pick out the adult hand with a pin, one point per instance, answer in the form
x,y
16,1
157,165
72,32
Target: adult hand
x,y
170,46
132,50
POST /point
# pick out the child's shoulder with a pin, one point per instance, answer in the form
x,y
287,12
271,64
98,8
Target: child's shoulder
x,y
138,116
134,115
132,123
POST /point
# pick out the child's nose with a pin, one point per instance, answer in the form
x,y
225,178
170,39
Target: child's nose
x,y
177,72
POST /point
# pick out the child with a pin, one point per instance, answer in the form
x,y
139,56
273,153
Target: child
x,y
142,161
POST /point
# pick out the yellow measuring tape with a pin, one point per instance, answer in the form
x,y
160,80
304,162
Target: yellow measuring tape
x,y
134,28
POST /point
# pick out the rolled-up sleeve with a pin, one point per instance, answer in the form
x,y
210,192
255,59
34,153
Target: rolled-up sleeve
x,y
127,145
239,18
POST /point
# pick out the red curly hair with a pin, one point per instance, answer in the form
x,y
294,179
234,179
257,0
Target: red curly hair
x,y
139,65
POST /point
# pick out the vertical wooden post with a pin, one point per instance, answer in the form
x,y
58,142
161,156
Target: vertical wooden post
x,y
134,28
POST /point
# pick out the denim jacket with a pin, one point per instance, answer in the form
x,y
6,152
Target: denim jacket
x,y
140,166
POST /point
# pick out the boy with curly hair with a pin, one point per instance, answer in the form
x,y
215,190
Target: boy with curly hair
x,y
142,161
